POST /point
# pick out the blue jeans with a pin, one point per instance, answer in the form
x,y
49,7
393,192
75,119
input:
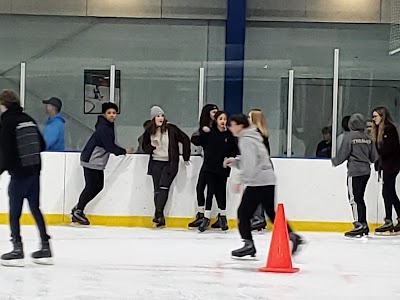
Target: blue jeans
x,y
21,188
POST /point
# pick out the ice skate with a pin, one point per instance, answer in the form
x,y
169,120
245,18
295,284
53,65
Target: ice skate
x,y
217,224
296,242
258,223
385,229
247,250
358,231
79,217
223,223
44,255
197,222
14,258
204,225
396,228
159,222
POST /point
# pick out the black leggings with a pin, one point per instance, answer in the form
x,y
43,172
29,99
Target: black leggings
x,y
356,189
389,194
252,197
200,188
163,176
216,186
94,184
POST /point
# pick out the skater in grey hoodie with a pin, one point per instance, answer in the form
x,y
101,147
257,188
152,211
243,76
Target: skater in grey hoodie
x,y
257,174
358,149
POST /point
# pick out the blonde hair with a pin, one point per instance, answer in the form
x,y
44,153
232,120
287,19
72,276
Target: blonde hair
x,y
378,130
258,119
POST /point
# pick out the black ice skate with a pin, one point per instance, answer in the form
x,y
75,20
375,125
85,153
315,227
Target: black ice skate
x,y
79,217
358,231
396,228
296,242
14,258
204,225
258,223
43,256
247,250
223,223
386,228
197,222
217,223
160,222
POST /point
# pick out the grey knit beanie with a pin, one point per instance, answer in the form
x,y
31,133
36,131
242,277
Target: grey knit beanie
x,y
155,111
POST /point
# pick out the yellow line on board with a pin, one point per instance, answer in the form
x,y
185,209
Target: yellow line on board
x,y
146,222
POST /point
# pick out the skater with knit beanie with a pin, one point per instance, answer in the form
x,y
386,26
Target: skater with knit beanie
x,y
161,140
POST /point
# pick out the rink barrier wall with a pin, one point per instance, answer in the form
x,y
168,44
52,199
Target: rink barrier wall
x,y
314,194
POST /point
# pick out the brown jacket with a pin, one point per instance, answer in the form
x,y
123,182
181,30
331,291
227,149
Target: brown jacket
x,y
175,136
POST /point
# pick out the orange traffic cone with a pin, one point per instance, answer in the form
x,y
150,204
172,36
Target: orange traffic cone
x,y
279,256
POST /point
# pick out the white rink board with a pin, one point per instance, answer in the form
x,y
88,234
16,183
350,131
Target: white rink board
x,y
310,189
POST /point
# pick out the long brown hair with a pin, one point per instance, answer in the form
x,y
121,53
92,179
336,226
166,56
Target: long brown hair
x,y
153,126
258,119
378,130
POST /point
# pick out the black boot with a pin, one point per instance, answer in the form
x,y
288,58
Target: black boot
x,y
258,223
223,223
197,222
79,217
247,250
397,227
160,222
217,223
296,242
14,258
204,225
357,231
388,226
43,256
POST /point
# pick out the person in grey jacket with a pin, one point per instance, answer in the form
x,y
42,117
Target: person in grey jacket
x,y
257,174
94,159
359,151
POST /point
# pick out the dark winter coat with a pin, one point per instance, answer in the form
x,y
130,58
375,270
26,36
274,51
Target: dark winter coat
x,y
389,150
175,136
324,149
20,143
101,144
217,146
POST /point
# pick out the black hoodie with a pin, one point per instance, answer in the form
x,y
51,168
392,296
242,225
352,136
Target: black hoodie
x,y
217,146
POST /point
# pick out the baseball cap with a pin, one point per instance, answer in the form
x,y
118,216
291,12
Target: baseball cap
x,y
53,101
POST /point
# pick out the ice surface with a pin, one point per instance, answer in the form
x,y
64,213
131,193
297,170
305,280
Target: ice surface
x,y
126,263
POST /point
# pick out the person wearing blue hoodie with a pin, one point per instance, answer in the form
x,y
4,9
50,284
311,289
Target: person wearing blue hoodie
x,y
54,129
94,159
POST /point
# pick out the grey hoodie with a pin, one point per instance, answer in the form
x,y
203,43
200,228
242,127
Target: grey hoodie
x,y
254,162
357,148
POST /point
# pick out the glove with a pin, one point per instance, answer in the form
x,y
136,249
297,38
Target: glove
x,y
187,163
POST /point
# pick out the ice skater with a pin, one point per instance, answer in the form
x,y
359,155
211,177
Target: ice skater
x,y
20,145
218,143
206,119
256,118
161,140
94,159
359,151
257,174
386,138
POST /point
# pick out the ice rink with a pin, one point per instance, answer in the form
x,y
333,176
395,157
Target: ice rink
x,y
127,263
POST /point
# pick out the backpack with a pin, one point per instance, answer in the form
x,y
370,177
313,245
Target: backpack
x,y
28,143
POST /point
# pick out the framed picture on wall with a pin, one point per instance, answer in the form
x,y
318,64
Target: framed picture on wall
x,y
97,90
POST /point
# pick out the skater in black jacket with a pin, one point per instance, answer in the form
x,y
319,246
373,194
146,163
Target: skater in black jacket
x,y
206,120
161,140
358,149
386,138
20,145
257,174
218,143
94,159
256,118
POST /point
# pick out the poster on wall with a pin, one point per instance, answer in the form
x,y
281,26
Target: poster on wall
x,y
97,90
